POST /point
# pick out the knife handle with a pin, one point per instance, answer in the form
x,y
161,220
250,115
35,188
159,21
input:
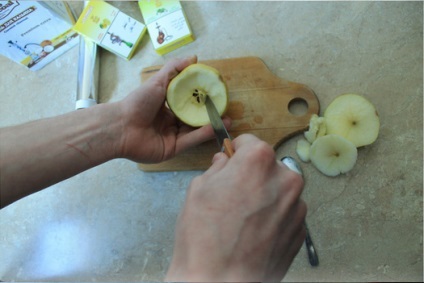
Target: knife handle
x,y
227,148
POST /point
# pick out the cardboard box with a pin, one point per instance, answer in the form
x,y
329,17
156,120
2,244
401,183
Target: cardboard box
x,y
167,24
35,33
110,28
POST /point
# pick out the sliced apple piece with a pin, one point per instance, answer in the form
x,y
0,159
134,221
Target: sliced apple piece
x,y
333,155
187,92
353,117
317,128
302,150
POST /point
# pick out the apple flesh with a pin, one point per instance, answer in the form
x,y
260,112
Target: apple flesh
x,y
349,122
186,94
333,155
353,117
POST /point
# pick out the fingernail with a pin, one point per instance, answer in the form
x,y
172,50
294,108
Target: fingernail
x,y
292,164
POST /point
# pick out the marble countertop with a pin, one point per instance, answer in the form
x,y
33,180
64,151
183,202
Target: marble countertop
x,y
116,223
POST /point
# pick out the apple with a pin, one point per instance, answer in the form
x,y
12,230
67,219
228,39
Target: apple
x,y
317,128
302,149
333,154
353,117
331,142
186,94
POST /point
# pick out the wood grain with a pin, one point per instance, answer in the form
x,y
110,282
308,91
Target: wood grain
x,y
259,105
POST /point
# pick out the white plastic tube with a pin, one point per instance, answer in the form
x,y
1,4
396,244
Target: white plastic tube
x,y
88,74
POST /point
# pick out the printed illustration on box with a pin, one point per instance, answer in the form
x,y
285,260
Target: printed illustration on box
x,y
127,26
162,35
130,23
121,29
167,24
115,39
32,34
110,28
161,11
34,50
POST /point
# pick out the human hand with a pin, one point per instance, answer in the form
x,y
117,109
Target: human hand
x,y
151,132
242,220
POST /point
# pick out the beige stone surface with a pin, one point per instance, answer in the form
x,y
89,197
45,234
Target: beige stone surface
x,y
115,222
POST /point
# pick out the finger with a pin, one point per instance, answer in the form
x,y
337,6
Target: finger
x,y
154,91
292,236
189,137
256,155
287,258
172,68
288,226
227,122
290,190
291,164
291,252
219,161
243,140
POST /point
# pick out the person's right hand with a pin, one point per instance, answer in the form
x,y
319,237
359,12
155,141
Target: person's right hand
x,y
243,219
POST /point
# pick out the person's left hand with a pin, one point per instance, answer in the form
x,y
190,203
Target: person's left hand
x,y
151,132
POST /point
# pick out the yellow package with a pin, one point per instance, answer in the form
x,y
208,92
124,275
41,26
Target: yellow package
x,y
110,28
34,33
167,24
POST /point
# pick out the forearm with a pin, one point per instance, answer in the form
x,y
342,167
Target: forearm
x,y
38,154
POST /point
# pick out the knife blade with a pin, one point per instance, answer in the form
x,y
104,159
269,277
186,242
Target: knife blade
x,y
222,136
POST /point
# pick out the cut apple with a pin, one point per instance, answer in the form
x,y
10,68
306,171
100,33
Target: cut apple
x,y
302,149
187,92
350,121
353,117
317,128
333,155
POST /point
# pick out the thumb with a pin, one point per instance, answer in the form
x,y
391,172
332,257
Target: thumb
x,y
171,69
157,85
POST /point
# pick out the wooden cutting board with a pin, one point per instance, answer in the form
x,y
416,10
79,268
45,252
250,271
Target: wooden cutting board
x,y
260,103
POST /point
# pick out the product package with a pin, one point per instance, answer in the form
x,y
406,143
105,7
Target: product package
x,y
35,33
167,24
110,28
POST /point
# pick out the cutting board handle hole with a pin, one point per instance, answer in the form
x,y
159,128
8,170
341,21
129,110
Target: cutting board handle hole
x,y
298,106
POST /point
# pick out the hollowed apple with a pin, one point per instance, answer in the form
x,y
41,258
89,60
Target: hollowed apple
x,y
187,92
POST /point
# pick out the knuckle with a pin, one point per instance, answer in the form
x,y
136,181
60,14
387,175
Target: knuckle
x,y
291,190
246,138
261,152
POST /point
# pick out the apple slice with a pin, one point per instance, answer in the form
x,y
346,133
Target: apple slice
x,y
187,92
302,149
333,154
353,117
317,128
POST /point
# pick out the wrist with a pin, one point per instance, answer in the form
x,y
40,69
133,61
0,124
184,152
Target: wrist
x,y
111,123
99,132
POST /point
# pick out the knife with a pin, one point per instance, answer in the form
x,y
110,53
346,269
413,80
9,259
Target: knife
x,y
222,136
